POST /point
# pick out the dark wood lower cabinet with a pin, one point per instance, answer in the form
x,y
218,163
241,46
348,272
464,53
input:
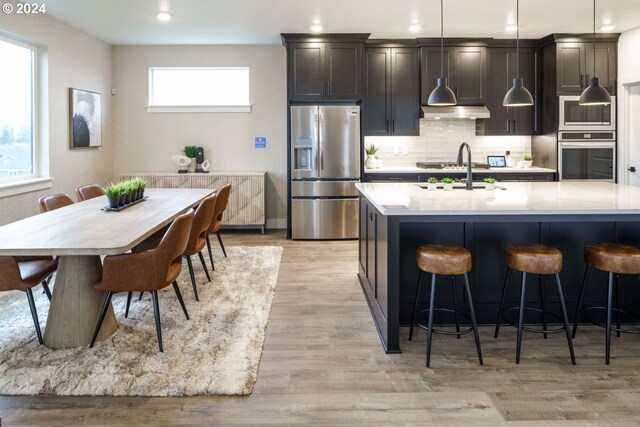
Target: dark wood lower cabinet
x,y
389,282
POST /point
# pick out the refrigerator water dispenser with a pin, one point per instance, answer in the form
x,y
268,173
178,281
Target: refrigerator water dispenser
x,y
303,150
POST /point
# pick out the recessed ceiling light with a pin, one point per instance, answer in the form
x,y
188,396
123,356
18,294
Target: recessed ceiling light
x,y
164,16
414,28
511,28
316,28
607,27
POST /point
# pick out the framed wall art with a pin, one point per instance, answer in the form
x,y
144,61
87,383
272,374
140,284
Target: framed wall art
x,y
86,118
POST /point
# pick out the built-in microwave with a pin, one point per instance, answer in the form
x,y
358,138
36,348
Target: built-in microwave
x,y
574,116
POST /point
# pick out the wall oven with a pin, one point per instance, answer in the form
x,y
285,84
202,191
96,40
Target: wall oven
x,y
586,118
587,156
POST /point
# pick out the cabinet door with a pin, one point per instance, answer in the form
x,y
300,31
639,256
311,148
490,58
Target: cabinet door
x,y
343,71
405,88
498,83
306,71
430,69
570,73
468,82
605,65
376,104
526,120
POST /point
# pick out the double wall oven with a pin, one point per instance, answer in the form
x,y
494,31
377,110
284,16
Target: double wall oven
x,y
586,140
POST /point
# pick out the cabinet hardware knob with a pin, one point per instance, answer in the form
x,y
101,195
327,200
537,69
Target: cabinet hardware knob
x,y
632,169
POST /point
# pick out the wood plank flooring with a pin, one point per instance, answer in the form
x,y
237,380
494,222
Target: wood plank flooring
x,y
323,364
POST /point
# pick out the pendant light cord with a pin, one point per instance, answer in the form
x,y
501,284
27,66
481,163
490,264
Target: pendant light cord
x,y
442,38
594,37
517,38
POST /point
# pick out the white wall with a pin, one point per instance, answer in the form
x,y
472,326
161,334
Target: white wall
x,y
77,60
628,54
145,141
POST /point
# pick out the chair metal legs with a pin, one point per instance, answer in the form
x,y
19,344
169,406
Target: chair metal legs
x,y
156,314
204,265
34,314
193,277
213,267
221,244
45,286
179,295
103,313
129,295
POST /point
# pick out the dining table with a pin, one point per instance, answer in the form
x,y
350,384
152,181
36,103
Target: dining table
x,y
78,235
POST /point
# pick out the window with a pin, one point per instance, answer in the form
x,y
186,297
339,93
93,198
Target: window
x,y
199,89
17,127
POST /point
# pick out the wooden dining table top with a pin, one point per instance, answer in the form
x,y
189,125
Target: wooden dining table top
x,y
83,229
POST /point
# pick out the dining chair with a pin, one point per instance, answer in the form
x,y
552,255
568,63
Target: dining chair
x,y
197,237
22,274
87,192
216,223
54,201
149,270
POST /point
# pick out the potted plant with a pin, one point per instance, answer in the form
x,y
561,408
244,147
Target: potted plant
x,y
126,190
527,160
448,183
191,151
490,184
432,183
112,191
371,151
123,196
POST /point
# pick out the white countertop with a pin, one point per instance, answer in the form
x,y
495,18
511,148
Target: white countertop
x,y
413,169
533,198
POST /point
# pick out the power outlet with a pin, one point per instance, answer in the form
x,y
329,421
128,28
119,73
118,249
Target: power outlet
x,y
405,150
396,150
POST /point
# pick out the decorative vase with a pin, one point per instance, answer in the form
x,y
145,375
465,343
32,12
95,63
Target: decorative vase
x,y
191,168
448,187
370,163
490,186
527,163
378,163
432,186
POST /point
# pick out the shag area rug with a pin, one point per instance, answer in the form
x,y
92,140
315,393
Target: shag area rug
x,y
216,352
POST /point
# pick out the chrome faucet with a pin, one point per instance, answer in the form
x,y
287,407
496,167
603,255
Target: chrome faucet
x,y
459,163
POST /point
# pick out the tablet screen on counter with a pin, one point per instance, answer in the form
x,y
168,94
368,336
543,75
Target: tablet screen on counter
x,y
496,161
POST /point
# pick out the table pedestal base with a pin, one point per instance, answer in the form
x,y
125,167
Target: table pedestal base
x,y
75,305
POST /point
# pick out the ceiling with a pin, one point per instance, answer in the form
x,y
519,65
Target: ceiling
x,y
261,21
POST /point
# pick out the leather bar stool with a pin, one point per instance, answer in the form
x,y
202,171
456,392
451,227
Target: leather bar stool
x,y
530,258
615,259
452,261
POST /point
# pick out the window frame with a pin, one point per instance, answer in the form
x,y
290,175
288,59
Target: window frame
x,y
152,108
39,179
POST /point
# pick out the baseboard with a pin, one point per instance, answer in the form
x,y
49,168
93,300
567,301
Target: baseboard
x,y
276,223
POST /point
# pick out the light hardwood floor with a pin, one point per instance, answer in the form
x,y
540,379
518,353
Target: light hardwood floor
x,y
323,364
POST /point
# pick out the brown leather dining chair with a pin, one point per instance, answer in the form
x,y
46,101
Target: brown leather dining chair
x,y
197,237
54,201
148,270
216,222
87,192
23,273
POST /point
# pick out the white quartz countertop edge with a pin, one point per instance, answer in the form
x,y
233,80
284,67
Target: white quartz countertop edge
x,y
409,169
434,203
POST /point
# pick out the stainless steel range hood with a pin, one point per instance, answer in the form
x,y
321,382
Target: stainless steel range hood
x,y
455,112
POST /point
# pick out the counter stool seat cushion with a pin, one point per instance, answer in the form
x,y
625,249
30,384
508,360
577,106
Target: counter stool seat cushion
x,y
533,258
613,257
443,259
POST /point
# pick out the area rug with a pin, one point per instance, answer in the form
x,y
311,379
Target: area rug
x,y
216,352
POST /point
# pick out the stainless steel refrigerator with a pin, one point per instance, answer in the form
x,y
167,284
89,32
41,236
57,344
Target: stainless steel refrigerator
x,y
325,165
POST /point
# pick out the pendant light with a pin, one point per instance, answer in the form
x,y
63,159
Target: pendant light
x,y
518,95
594,94
442,95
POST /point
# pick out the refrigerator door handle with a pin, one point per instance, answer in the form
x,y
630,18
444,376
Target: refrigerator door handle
x,y
320,143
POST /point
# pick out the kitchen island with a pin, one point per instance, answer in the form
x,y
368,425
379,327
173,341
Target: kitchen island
x,y
397,218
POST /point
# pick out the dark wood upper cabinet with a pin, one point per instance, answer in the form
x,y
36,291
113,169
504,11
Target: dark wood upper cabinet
x,y
575,66
391,101
501,70
325,71
465,67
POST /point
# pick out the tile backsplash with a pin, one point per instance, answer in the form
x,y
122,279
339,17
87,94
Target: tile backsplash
x,y
439,141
